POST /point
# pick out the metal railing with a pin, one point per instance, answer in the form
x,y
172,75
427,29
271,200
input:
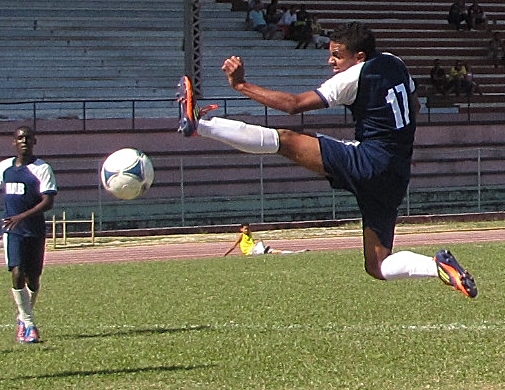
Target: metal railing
x,y
139,110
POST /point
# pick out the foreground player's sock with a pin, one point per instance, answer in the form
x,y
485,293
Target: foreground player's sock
x,y
242,136
406,264
22,299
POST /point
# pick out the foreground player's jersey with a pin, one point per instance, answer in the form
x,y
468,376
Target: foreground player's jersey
x,y
378,93
23,187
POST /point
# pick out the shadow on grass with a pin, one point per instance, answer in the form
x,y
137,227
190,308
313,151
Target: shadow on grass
x,y
133,332
66,374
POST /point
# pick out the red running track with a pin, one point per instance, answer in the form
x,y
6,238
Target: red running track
x,y
183,251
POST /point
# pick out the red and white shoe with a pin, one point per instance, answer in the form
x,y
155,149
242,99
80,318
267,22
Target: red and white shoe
x,y
20,331
31,335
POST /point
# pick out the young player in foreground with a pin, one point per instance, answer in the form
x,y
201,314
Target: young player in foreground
x,y
375,167
29,189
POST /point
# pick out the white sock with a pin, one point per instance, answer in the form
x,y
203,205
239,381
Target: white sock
x,y
406,264
242,136
22,300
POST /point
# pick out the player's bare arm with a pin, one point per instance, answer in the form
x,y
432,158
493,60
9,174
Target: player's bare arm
x,y
278,100
235,244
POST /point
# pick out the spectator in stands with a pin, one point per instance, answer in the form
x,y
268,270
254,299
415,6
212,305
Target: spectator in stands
x,y
249,246
301,30
252,4
302,15
457,79
287,19
496,48
273,13
319,37
473,86
438,78
458,14
476,15
258,22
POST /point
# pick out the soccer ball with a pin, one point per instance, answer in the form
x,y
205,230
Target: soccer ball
x,y
127,173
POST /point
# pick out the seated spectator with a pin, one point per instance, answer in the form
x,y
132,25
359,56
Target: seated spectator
x,y
302,15
438,78
458,14
258,22
496,49
457,79
287,19
474,87
273,13
476,15
320,39
250,246
251,4
301,30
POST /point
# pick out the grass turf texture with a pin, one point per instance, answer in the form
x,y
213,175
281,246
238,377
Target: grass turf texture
x,y
304,321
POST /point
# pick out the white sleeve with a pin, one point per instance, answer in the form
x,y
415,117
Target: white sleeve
x,y
45,174
412,84
4,164
342,88
48,182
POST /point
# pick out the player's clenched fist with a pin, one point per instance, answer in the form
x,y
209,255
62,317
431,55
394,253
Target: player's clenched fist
x,y
234,69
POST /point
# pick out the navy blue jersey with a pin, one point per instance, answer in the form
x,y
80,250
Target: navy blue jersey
x,y
383,109
23,187
379,94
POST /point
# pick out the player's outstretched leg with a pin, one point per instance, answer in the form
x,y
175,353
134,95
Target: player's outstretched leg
x,y
453,274
242,136
189,112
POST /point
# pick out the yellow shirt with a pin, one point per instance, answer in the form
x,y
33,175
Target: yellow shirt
x,y
246,244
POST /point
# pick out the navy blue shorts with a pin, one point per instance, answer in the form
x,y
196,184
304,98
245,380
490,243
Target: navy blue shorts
x,y
27,253
365,171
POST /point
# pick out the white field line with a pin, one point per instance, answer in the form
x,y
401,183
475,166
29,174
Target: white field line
x,y
340,328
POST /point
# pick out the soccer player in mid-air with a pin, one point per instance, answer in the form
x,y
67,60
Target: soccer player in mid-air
x,y
375,167
29,188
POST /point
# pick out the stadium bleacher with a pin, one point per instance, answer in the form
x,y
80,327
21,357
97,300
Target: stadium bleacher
x,y
107,49
90,49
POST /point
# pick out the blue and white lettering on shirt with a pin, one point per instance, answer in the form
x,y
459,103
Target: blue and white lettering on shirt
x,y
23,187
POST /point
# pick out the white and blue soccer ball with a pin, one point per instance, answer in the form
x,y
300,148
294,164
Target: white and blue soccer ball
x,y
127,173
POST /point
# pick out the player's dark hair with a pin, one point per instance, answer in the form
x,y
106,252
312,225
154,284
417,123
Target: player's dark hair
x,y
244,224
27,129
356,37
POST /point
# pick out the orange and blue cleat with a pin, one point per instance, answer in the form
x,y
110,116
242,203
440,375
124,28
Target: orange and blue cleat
x,y
453,274
189,112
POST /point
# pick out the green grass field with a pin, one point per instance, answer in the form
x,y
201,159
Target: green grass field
x,y
305,321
